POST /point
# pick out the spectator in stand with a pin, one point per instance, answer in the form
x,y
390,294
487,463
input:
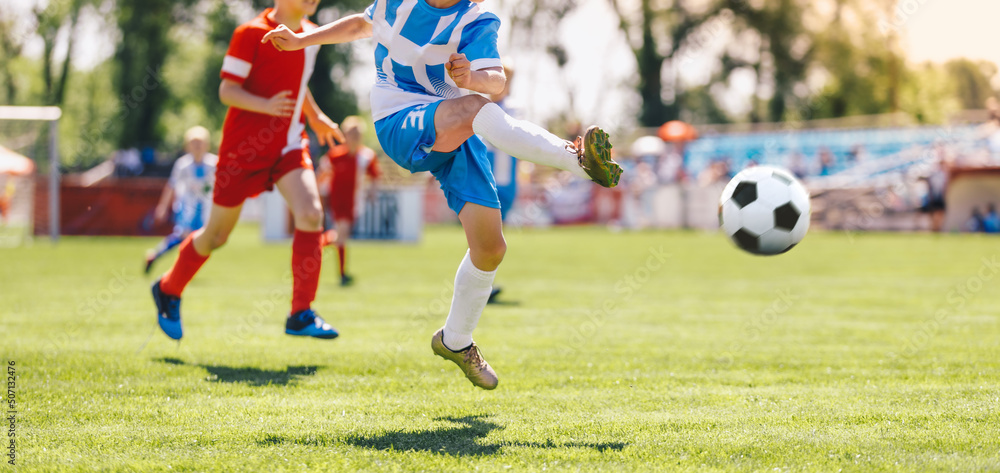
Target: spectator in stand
x,y
991,129
975,222
826,162
716,171
797,165
937,185
991,221
857,155
642,188
670,168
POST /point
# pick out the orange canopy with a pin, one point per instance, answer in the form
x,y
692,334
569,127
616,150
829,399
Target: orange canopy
x,y
15,164
676,130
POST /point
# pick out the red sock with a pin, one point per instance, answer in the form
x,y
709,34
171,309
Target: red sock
x,y
188,263
307,258
340,253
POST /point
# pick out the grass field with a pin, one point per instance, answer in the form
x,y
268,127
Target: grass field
x,y
857,352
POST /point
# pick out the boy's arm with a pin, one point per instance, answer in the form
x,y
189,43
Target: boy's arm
x,y
326,130
374,172
489,81
344,30
166,199
232,94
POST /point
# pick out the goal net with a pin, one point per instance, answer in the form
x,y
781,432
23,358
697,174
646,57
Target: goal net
x,y
29,173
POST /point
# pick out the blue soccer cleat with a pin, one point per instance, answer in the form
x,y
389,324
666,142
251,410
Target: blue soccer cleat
x,y
307,324
168,310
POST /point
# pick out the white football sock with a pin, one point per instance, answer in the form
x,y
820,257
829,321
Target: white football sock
x,y
525,140
472,290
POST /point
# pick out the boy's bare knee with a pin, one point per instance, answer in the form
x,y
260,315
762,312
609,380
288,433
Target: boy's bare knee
x,y
219,239
208,239
500,250
473,103
490,257
309,219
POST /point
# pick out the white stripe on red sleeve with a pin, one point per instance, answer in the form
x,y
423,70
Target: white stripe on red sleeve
x,y
236,66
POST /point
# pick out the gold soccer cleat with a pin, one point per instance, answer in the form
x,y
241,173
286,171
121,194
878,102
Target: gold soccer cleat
x,y
469,360
594,154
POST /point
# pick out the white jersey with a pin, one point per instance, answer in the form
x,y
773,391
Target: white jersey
x,y
414,41
192,183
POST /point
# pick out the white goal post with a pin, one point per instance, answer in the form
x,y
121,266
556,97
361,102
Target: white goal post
x,y
50,115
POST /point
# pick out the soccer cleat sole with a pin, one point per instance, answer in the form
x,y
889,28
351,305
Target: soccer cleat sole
x,y
597,160
303,333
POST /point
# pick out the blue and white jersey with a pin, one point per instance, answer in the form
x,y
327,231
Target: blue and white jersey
x,y
193,182
414,41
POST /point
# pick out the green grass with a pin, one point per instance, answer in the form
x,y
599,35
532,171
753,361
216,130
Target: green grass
x,y
852,352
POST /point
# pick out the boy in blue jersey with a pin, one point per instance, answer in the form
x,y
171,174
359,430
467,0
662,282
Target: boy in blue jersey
x,y
504,166
430,55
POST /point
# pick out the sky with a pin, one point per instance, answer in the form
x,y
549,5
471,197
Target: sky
x,y
930,30
600,62
942,29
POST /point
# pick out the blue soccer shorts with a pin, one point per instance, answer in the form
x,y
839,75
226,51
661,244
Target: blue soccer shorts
x,y
465,174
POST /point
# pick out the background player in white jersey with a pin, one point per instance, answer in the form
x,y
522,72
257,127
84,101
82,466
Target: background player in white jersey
x,y
504,166
430,54
188,192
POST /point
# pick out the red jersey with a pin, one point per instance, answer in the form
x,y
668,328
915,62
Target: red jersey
x,y
349,171
253,138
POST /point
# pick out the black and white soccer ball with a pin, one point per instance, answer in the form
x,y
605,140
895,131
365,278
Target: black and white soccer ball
x,y
764,210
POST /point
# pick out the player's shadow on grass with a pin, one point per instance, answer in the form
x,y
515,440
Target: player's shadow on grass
x,y
461,440
505,302
250,375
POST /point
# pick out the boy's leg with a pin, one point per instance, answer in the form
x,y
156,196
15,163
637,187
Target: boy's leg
x,y
196,248
298,187
474,279
343,227
456,120
194,251
473,283
166,244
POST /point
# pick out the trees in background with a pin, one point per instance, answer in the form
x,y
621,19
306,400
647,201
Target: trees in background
x,y
145,45
806,59
162,77
802,59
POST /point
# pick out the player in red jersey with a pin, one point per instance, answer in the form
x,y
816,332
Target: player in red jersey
x,y
263,146
350,163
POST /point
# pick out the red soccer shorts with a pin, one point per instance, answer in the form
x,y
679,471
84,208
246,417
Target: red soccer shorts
x,y
239,179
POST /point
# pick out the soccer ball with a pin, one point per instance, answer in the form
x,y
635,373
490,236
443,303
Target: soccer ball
x,y
764,210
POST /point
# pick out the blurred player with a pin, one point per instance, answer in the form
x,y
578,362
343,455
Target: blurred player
x,y
6,197
263,146
188,192
351,162
504,165
430,54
